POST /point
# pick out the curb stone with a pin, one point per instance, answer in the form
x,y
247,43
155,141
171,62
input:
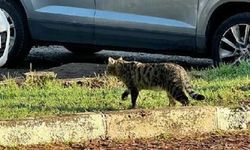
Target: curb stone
x,y
229,119
151,123
122,125
75,128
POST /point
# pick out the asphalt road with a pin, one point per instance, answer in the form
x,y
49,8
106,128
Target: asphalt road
x,y
56,55
69,65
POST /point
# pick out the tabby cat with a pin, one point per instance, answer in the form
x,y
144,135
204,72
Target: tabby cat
x,y
137,76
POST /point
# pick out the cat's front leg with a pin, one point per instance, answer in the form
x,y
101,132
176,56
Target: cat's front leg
x,y
125,94
134,96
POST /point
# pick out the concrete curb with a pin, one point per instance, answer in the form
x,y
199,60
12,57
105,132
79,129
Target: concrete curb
x,y
122,125
75,128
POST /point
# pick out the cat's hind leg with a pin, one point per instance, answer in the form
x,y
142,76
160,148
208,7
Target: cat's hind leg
x,y
126,94
180,95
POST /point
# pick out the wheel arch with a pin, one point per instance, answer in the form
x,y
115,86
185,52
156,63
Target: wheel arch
x,y
216,15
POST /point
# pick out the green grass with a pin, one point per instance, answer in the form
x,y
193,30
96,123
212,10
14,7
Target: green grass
x,y
223,86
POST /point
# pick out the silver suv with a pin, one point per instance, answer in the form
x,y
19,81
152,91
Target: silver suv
x,y
217,29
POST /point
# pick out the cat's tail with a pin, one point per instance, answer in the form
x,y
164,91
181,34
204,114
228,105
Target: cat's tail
x,y
196,96
192,93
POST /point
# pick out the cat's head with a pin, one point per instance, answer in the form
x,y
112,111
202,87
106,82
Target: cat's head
x,y
114,65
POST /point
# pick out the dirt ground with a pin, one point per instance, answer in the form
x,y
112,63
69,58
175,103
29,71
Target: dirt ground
x,y
233,141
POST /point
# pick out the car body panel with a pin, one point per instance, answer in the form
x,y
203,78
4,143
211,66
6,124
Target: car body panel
x,y
178,25
130,24
61,20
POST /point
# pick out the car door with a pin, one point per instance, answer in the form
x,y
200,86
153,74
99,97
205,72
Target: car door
x,y
61,20
153,24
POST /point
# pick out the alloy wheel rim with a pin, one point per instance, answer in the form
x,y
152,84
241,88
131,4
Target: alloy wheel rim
x,y
12,29
235,44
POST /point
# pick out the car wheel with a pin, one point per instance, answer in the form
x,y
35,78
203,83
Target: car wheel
x,y
231,42
19,33
82,49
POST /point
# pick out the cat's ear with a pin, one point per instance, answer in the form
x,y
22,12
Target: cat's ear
x,y
111,60
120,58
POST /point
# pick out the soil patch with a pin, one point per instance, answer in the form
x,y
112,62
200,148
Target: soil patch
x,y
239,141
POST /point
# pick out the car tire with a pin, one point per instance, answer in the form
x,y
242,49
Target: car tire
x,y
82,49
225,46
21,37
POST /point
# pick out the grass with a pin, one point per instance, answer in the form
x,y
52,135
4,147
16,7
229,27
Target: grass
x,y
224,86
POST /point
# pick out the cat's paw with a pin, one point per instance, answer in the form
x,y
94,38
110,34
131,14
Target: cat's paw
x,y
124,96
132,107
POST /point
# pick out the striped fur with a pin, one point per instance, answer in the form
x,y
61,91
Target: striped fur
x,y
165,76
